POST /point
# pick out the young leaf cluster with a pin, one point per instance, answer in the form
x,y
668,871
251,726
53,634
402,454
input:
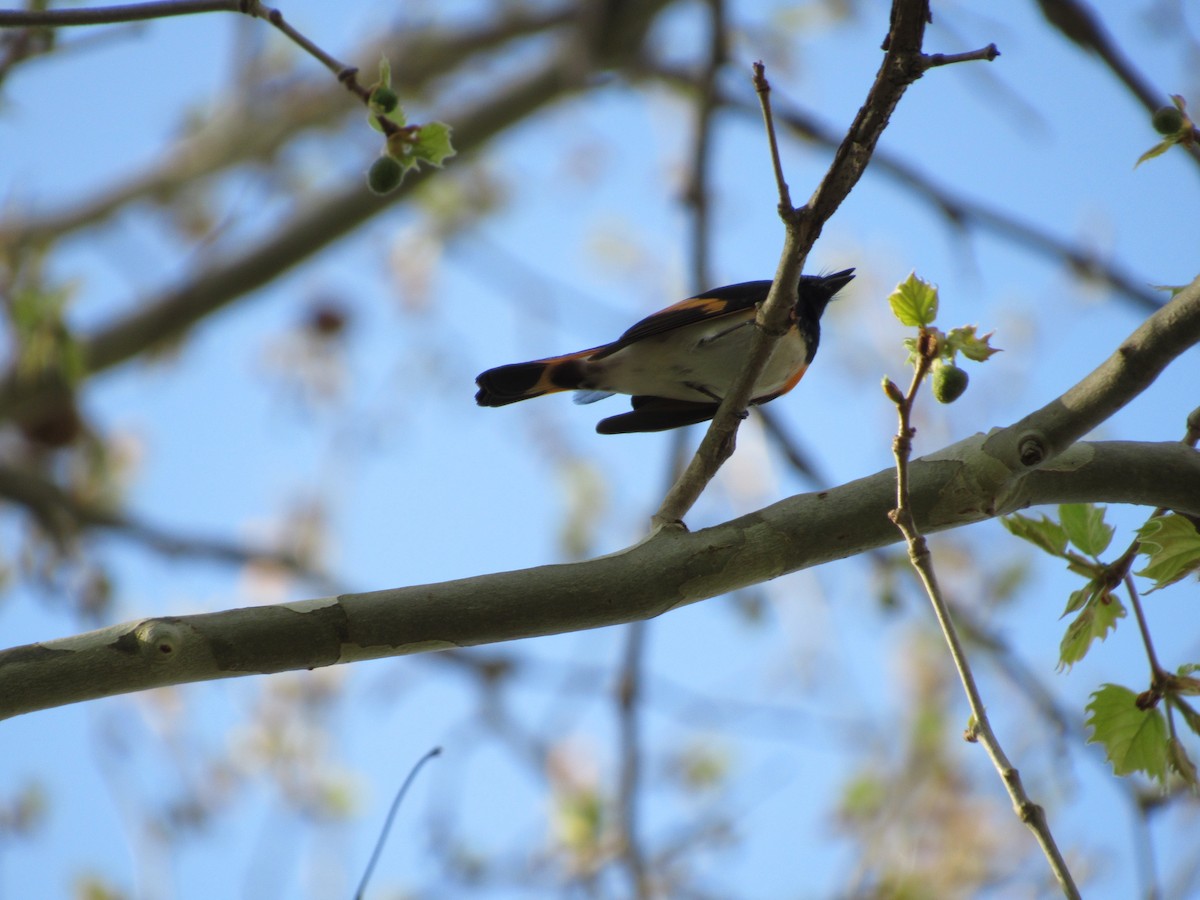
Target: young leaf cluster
x,y
407,146
1095,607
914,303
1132,727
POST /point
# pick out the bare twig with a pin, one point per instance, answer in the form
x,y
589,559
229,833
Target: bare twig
x,y
391,816
629,696
984,54
697,194
158,9
980,728
111,15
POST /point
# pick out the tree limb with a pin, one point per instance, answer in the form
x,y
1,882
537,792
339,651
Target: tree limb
x,y
672,569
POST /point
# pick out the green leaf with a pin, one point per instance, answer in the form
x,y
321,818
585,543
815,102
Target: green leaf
x,y
1172,545
1085,527
1044,533
1095,621
1135,740
974,347
385,72
1190,716
433,144
914,302
1079,598
1157,150
397,117
1180,761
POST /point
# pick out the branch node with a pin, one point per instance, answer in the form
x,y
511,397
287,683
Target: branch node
x,y
1032,450
158,641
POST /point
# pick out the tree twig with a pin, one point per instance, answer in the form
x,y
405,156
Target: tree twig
x,y
980,728
629,697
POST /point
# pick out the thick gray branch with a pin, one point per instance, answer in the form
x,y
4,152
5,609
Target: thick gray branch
x,y
673,569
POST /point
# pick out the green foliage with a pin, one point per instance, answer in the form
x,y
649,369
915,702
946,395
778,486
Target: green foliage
x,y
1171,544
914,302
1136,734
1134,739
965,341
1085,527
1098,616
45,343
407,145
1082,526
1044,533
433,144
1174,124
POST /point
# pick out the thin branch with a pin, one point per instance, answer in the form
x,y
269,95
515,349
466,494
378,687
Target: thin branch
x,y
698,194
983,54
391,816
158,9
111,15
763,89
1156,670
629,695
922,560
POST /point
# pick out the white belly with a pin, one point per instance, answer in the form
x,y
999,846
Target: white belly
x,y
696,363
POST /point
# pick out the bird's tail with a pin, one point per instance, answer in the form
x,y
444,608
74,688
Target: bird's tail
x,y
521,381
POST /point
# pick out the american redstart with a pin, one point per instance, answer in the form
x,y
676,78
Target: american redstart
x,y
678,362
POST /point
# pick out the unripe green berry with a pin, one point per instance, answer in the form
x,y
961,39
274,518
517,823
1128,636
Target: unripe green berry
x,y
1167,120
384,99
949,382
384,175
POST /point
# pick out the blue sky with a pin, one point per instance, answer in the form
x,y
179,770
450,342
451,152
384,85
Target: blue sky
x,y
420,486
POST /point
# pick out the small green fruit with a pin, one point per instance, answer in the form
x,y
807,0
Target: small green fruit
x,y
1167,120
949,382
384,99
384,175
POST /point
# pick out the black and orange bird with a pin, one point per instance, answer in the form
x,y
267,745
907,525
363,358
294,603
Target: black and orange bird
x,y
678,362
